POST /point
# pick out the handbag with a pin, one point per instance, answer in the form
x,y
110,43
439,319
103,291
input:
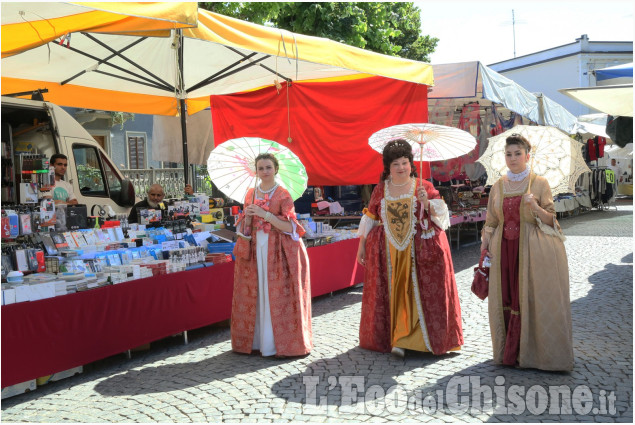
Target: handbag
x,y
480,284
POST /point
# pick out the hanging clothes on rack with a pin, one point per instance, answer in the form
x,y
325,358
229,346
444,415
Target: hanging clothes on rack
x,y
453,168
603,188
595,148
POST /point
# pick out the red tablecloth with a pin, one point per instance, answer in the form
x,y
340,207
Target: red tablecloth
x,y
47,336
334,266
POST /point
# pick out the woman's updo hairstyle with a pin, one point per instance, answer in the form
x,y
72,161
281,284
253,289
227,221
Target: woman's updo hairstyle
x,y
270,157
395,149
517,139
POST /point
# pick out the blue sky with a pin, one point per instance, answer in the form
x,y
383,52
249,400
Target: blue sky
x,y
482,30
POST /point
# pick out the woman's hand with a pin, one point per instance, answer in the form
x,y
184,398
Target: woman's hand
x,y
531,202
361,253
255,210
422,196
485,248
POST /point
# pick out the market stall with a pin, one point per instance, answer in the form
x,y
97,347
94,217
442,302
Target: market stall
x,y
86,326
474,98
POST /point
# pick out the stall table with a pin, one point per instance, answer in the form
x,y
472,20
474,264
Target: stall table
x,y
336,220
43,337
464,220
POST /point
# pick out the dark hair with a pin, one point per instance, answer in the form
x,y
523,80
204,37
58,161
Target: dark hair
x,y
268,156
57,156
396,149
517,139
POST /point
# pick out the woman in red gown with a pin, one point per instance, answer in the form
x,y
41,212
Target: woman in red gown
x,y
271,306
410,299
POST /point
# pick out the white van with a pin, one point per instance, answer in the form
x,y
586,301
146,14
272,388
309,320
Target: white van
x,y
48,129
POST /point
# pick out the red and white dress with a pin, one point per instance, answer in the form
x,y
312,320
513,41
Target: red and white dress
x,y
271,305
410,298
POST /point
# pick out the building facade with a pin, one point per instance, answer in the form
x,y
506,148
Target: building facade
x,y
570,65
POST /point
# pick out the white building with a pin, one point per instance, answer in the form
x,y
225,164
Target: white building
x,y
566,66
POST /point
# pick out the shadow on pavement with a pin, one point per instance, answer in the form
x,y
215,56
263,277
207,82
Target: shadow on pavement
x,y
179,376
597,357
328,377
343,298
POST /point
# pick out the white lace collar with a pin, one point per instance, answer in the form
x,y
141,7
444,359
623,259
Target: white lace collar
x,y
516,177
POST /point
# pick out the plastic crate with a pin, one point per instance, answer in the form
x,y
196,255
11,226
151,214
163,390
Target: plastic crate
x,y
222,248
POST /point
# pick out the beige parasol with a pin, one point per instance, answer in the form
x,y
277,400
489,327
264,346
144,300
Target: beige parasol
x,y
554,156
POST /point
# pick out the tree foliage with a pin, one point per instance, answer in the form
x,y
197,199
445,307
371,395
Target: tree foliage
x,y
392,28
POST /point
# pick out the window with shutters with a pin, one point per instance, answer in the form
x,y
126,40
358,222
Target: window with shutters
x,y
136,150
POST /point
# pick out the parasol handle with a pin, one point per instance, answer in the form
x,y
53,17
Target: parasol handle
x,y
253,201
421,159
531,170
251,226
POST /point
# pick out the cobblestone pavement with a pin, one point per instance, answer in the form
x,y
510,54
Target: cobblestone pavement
x,y
205,382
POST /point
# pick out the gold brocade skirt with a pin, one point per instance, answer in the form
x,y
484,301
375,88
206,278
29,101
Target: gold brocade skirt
x,y
404,313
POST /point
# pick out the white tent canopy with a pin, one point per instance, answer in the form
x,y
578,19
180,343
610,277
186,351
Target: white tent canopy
x,y
590,125
456,84
615,152
614,100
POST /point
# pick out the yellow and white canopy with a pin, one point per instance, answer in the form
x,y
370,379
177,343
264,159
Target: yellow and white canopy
x,y
26,25
133,73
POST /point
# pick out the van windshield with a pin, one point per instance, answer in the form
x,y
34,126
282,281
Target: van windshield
x,y
89,172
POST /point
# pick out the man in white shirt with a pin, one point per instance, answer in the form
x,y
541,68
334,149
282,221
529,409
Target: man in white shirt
x,y
62,192
616,169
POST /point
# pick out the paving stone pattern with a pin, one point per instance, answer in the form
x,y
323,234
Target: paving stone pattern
x,y
205,381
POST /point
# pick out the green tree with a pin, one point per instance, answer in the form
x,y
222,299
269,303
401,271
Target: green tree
x,y
391,28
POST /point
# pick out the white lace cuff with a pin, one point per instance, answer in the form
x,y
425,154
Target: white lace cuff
x,y
553,231
441,215
294,233
365,226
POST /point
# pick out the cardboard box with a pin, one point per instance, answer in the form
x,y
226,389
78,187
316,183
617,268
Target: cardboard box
x,y
8,296
40,291
22,293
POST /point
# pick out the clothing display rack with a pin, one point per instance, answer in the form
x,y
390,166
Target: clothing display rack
x,y
601,190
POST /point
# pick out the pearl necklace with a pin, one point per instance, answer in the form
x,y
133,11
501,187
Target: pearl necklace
x,y
518,185
266,192
401,184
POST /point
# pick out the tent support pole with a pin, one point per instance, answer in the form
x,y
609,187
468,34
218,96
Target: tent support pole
x,y
183,108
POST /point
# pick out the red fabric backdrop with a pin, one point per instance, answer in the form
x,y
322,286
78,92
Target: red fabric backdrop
x,y
330,123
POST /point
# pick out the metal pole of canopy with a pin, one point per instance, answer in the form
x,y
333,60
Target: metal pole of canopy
x,y
183,107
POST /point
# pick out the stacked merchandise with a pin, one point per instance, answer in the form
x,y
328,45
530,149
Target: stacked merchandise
x,y
91,258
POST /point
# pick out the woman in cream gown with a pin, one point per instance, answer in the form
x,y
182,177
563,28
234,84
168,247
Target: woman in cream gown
x,y
529,307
